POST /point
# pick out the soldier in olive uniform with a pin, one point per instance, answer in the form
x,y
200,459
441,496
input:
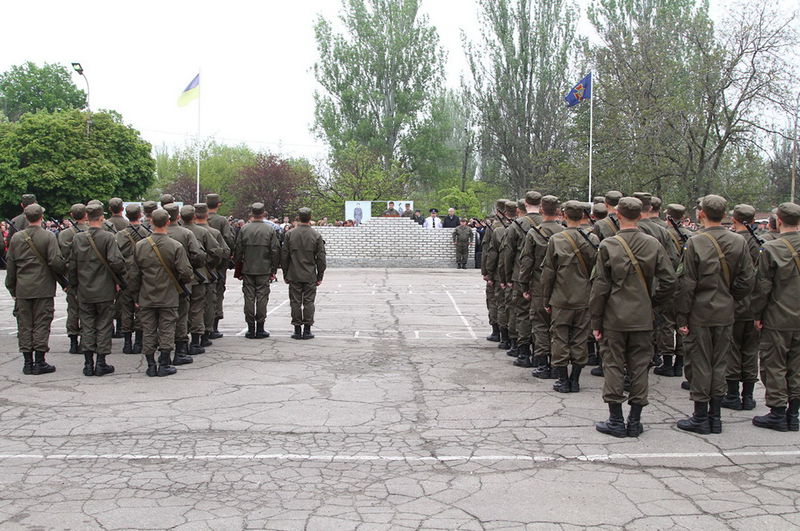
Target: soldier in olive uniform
x,y
117,221
633,274
717,272
599,211
127,239
20,221
486,248
772,225
566,284
96,270
148,207
530,273
303,264
33,261
258,251
778,318
492,258
166,199
197,258
610,225
78,214
462,239
221,268
159,274
742,363
504,289
220,223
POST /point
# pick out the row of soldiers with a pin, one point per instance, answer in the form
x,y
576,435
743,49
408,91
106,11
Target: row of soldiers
x,y
163,269
614,281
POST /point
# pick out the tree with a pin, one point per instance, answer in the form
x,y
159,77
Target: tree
x,y
378,76
184,189
520,70
30,88
270,180
61,160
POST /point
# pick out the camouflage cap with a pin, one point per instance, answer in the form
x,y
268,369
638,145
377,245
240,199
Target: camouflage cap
x,y
167,199
133,211
574,210
714,207
200,209
550,205
28,199
630,207
94,211
160,217
789,214
644,197
612,197
533,198
149,207
213,200
655,203
115,204
257,209
676,211
744,213
33,211
77,211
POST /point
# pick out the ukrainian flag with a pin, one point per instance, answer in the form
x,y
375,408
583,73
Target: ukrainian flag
x,y
191,92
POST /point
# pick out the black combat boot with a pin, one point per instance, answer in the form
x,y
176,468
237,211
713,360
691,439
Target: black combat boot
x,y
152,369
251,330
298,333
732,400
523,356
715,414
575,379
698,422
40,366
88,363
127,345
194,347
74,348
117,329
182,354
665,369
27,364
598,371
774,420
657,360
164,367
495,335
792,416
685,385
215,333
205,341
677,366
539,365
615,425
102,368
137,342
562,385
748,402
512,350
307,332
549,373
505,342
591,352
634,426
260,332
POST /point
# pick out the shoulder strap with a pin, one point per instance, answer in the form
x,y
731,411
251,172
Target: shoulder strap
x,y
675,240
168,269
726,270
634,261
103,260
791,248
578,253
610,222
61,281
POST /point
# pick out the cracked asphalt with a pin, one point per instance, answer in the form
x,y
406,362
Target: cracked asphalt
x,y
398,415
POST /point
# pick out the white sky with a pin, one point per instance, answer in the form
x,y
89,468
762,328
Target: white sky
x,y
255,59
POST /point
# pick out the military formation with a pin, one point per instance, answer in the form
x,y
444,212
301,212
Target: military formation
x,y
615,285
155,277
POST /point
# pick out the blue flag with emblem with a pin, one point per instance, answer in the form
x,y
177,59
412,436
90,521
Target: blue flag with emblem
x,y
581,91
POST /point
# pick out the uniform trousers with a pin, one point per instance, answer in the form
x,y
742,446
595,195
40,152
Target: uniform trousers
x,y
500,303
629,352
521,311
130,323
491,304
220,287
158,325
780,365
462,252
182,320
73,314
540,324
510,312
210,310
197,308
705,360
665,331
742,365
98,326
256,296
301,299
34,317
568,331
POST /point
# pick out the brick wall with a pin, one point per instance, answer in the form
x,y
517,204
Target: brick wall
x,y
390,242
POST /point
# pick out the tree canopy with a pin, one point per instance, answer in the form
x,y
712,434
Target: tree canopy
x,y
30,88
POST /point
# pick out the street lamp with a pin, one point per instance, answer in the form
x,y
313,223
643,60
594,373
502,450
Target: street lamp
x,y
79,69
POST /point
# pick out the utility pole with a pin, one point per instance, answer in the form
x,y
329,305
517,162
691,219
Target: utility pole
x,y
794,148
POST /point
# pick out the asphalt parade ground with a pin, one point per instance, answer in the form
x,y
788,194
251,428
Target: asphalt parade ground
x,y
398,415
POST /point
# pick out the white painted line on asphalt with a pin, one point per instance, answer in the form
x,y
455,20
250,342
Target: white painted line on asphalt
x,y
464,319
243,331
407,458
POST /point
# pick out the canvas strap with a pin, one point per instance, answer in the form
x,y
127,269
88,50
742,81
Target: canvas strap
x,y
578,253
791,248
726,270
168,269
103,260
634,261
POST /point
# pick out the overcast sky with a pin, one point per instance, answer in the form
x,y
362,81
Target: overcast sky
x,y
255,60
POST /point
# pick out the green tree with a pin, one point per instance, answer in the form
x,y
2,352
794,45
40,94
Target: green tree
x,y
30,88
61,160
378,77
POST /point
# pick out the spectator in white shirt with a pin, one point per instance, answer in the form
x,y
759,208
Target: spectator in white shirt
x,y
433,221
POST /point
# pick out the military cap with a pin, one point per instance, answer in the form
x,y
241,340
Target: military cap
x,y
257,209
789,213
28,199
500,204
304,211
200,209
94,202
434,211
714,207
167,199
94,210
612,197
644,197
187,211
133,211
511,206
521,204
213,200
77,211
655,203
172,209
598,199
149,206
744,213
574,210
533,198
160,217
115,204
550,205
676,211
33,211
464,220
630,207
600,210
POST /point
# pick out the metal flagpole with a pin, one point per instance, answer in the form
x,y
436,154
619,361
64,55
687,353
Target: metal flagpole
x,y
591,132
197,146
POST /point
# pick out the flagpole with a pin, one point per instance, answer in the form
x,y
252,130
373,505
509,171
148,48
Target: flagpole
x,y
197,146
591,133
